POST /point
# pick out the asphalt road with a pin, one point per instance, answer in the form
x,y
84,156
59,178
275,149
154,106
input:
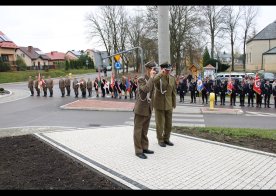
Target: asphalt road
x,y
41,111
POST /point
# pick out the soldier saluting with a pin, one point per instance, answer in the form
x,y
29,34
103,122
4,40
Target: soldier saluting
x,y
143,110
164,103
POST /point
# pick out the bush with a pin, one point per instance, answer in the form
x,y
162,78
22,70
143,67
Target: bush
x,y
4,66
21,65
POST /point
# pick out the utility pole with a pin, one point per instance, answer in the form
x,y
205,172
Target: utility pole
x,y
163,35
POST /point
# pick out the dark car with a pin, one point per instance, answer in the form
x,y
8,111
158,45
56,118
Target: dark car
x,y
267,76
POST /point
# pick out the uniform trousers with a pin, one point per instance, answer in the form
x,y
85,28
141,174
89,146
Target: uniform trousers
x,y
163,120
141,126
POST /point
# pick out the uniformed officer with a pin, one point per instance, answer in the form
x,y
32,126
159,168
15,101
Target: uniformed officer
x,y
83,87
142,111
50,85
67,85
31,85
192,89
89,87
164,103
62,86
76,87
36,85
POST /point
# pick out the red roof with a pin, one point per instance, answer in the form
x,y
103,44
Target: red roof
x,y
7,44
54,55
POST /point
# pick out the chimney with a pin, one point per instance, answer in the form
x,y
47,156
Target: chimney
x,y
30,48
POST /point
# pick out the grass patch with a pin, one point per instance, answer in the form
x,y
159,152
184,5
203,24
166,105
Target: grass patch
x,y
21,76
232,132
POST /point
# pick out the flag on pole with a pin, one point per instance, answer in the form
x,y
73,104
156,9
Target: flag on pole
x,y
199,83
112,81
39,81
257,85
128,84
229,86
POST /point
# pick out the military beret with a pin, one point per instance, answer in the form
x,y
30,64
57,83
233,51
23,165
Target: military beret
x,y
166,66
150,64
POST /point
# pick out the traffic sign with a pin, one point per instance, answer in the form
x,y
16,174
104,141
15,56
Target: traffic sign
x,y
118,65
117,57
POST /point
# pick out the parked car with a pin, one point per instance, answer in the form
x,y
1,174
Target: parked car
x,y
109,68
267,76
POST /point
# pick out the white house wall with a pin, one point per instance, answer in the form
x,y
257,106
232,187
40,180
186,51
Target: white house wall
x,y
254,50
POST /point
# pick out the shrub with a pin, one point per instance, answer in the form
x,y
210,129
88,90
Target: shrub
x,y
4,66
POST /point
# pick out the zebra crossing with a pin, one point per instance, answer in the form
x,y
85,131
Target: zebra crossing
x,y
182,116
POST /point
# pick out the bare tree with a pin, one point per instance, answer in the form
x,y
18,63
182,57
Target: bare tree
x,y
214,17
231,24
249,13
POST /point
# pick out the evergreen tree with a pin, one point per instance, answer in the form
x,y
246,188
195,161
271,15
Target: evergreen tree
x,y
206,57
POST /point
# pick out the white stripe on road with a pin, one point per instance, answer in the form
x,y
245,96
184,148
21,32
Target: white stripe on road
x,y
174,124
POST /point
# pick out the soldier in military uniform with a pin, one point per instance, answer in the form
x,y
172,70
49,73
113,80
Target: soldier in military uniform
x,y
83,87
76,87
62,86
164,103
143,110
36,85
250,93
89,87
67,85
50,85
31,85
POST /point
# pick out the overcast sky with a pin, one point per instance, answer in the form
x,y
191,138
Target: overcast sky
x,y
63,28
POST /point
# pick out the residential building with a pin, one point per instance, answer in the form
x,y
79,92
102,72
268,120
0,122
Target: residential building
x,y
98,57
261,50
33,57
73,55
56,58
7,50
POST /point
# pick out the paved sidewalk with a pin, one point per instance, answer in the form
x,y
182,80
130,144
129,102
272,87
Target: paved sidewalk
x,y
191,163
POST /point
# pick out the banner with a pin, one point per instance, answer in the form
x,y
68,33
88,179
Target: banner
x,y
257,85
199,83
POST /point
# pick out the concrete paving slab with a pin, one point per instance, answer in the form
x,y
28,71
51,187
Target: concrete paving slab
x,y
192,163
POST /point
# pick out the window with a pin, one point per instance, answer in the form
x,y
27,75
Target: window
x,y
5,58
23,55
34,63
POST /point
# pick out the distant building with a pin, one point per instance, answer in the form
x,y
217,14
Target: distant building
x,y
261,50
98,57
73,55
7,50
56,58
34,57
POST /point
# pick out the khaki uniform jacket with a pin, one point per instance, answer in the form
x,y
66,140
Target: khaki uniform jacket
x,y
143,106
166,101
50,83
61,83
89,84
30,83
75,84
67,82
36,83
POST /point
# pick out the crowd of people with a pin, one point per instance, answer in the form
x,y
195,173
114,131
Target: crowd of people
x,y
126,87
236,89
116,88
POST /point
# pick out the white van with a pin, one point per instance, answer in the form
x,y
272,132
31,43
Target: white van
x,y
226,75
